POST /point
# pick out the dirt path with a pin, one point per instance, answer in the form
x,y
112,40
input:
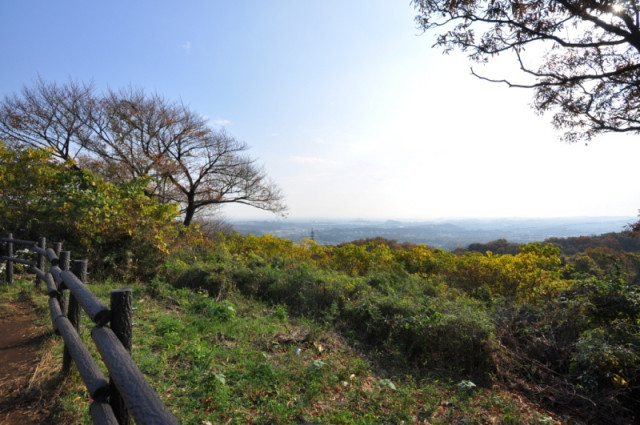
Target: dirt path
x,y
22,401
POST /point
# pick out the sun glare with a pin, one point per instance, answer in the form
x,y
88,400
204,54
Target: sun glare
x,y
617,8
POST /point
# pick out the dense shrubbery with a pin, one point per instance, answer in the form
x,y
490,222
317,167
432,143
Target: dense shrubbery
x,y
363,289
431,310
114,225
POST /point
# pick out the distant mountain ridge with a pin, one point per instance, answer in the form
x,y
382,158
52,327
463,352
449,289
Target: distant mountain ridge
x,y
445,233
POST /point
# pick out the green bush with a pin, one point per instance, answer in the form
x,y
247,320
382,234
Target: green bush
x,y
254,282
211,270
606,355
308,291
436,332
607,362
116,226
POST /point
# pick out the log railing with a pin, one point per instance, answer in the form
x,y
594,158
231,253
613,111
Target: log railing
x,y
126,394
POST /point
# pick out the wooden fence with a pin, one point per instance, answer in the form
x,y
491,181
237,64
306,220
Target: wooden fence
x,y
127,394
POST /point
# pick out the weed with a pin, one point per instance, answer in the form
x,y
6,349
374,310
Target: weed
x,y
215,361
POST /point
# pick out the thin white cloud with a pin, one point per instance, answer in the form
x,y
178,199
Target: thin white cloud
x,y
314,161
221,123
186,46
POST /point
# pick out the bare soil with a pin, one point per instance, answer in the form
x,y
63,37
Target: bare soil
x,y
23,399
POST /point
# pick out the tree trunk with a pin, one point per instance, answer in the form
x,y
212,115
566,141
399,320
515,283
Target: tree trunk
x,y
189,212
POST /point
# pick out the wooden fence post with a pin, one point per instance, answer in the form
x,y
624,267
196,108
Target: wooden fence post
x,y
9,269
42,243
79,268
65,261
57,249
121,325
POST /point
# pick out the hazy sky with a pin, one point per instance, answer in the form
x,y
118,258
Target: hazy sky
x,y
345,103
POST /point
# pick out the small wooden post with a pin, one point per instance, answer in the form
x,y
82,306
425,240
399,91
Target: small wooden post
x,y
42,243
57,248
79,268
121,325
9,269
65,260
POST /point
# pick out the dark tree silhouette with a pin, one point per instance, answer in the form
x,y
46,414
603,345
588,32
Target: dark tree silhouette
x,y
581,57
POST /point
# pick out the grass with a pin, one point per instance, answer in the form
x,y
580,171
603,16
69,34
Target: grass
x,y
239,362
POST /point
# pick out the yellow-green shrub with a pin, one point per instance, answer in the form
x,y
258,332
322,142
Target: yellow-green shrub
x,y
114,225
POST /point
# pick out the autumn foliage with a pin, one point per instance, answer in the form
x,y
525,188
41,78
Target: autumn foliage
x,y
114,225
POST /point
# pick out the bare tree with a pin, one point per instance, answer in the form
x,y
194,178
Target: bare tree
x,y
589,72
188,161
214,170
128,134
48,115
131,134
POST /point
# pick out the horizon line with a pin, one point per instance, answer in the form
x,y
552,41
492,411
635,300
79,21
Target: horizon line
x,y
451,218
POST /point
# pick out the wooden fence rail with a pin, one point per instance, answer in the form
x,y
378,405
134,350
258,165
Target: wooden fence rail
x,y
126,394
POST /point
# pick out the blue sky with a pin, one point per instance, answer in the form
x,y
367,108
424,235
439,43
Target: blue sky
x,y
344,103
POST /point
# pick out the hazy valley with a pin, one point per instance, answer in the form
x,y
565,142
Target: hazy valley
x,y
445,233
